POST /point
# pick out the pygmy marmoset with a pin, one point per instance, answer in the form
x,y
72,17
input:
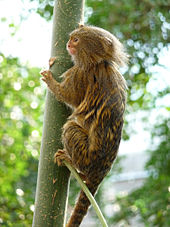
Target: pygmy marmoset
x,y
96,91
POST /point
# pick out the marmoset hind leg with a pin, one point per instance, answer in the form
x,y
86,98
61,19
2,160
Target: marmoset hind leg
x,y
76,144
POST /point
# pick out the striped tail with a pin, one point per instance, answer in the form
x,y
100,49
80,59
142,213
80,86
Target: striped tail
x,y
81,207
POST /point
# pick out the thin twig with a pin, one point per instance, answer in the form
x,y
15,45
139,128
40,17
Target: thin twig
x,y
88,194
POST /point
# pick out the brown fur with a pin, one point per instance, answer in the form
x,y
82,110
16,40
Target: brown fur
x,y
97,93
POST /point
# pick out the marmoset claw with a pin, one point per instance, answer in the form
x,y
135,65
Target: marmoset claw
x,y
61,156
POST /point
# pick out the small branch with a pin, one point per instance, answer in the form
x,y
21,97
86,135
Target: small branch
x,y
88,194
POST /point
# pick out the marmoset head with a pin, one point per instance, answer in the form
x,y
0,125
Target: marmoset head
x,y
89,45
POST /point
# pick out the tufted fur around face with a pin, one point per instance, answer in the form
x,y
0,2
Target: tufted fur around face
x,y
95,45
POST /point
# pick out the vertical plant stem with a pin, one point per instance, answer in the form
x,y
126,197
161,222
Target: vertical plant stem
x,y
53,182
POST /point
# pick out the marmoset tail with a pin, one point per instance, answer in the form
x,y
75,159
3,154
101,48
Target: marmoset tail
x,y
96,91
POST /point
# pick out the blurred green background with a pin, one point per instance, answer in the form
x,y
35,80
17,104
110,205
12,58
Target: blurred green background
x,y
143,27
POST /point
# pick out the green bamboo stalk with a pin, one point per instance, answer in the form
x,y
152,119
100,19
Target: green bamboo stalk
x,y
53,182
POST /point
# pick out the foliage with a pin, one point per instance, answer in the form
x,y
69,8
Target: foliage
x,y
21,120
150,203
45,8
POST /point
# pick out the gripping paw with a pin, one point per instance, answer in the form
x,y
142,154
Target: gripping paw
x,y
47,76
61,156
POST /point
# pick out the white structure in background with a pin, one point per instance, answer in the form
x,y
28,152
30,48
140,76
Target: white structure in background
x,y
132,175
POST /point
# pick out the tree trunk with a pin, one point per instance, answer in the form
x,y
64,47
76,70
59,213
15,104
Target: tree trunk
x,y
53,182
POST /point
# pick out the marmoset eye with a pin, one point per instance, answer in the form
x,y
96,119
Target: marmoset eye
x,y
75,40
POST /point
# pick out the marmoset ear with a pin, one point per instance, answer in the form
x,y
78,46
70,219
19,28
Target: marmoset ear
x,y
107,41
81,25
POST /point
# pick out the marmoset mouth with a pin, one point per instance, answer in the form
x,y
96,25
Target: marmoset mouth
x,y
71,51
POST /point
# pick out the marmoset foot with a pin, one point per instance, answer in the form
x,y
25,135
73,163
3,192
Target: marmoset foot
x,y
61,156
